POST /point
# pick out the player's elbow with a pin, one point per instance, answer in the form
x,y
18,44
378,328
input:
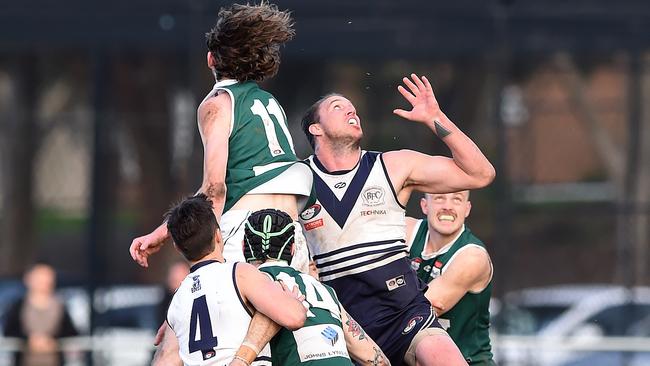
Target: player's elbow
x,y
295,319
484,176
216,191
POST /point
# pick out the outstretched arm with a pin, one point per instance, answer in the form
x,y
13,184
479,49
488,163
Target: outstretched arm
x,y
214,127
360,346
468,169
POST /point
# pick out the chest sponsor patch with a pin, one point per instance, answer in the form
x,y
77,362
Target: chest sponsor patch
x,y
320,341
313,224
310,212
396,282
415,263
373,196
373,212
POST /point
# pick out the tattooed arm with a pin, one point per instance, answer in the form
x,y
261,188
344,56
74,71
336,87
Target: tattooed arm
x,y
360,346
410,170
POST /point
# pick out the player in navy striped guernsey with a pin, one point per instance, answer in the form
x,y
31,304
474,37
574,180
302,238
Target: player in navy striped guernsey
x,y
356,228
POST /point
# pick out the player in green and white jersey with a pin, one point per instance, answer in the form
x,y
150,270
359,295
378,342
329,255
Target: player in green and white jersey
x,y
329,333
249,162
446,255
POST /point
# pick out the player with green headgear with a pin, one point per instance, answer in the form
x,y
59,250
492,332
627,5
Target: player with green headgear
x,y
329,333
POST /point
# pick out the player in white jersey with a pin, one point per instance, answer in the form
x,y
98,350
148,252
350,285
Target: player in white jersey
x,y
356,229
212,308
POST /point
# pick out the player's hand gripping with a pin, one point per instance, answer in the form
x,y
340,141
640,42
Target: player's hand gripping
x,y
425,106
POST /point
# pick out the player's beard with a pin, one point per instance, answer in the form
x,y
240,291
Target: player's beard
x,y
346,143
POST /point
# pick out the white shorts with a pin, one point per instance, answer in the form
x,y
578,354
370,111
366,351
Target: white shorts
x,y
232,230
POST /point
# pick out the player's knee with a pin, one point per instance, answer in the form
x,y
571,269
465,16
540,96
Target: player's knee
x,y
438,349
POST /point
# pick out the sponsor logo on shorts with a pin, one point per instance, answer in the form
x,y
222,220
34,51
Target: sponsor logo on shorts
x,y
310,212
411,324
396,282
313,224
373,196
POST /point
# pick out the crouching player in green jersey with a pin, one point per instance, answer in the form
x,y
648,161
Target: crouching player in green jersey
x,y
446,255
329,336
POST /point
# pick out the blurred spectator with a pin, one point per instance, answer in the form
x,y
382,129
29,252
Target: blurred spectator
x,y
175,275
40,318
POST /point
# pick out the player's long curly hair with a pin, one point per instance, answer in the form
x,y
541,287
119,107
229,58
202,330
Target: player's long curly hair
x,y
246,41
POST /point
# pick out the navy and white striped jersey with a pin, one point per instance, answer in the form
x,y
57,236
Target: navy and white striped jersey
x,y
356,232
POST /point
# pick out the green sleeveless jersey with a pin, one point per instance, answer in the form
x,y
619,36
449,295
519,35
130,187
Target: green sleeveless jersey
x,y
321,341
259,147
468,322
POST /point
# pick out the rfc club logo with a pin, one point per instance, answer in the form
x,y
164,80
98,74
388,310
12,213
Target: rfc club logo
x,y
373,196
411,324
310,212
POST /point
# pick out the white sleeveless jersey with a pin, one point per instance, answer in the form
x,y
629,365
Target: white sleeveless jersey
x,y
357,224
356,231
209,317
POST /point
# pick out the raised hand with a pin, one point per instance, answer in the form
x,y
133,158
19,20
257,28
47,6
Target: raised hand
x,y
420,95
143,246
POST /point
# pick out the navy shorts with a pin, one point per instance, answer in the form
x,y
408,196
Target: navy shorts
x,y
394,336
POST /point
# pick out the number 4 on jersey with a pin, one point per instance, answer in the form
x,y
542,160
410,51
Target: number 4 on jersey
x,y
200,319
263,112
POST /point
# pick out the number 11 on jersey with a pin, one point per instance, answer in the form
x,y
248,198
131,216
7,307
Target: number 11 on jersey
x,y
265,112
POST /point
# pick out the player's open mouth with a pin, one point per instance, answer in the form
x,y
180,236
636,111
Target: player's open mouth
x,y
353,121
446,217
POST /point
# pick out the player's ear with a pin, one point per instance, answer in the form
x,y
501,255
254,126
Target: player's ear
x,y
469,208
423,205
212,63
315,129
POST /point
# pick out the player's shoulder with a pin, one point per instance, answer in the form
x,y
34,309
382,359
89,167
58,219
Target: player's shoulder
x,y
472,256
216,102
217,107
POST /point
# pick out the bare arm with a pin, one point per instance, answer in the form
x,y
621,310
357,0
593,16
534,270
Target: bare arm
x,y
268,297
468,169
260,332
214,127
361,347
471,270
167,351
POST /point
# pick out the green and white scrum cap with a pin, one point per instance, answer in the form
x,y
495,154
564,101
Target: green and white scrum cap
x,y
269,234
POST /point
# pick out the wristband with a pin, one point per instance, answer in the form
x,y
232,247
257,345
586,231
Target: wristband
x,y
242,360
246,353
251,346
